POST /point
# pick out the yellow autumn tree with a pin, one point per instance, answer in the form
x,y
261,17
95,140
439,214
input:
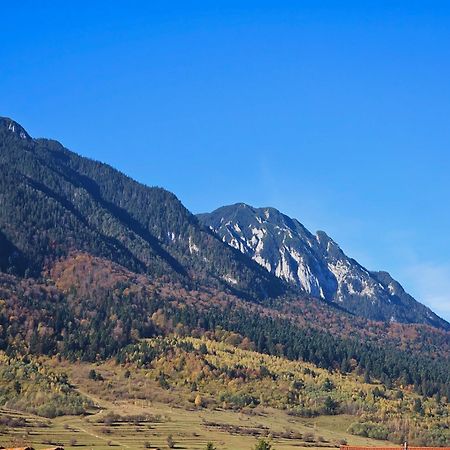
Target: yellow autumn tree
x,y
198,401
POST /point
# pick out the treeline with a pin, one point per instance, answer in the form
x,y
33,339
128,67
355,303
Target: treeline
x,y
28,385
281,337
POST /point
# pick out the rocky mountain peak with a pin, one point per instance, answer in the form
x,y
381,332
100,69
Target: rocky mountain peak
x,y
315,264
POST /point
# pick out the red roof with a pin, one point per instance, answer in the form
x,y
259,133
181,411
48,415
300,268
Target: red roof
x,y
351,447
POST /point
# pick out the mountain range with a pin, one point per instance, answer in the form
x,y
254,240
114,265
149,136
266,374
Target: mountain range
x,y
92,261
55,202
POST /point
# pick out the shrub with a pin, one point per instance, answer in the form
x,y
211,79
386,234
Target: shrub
x,y
94,375
330,406
309,437
170,441
262,444
369,429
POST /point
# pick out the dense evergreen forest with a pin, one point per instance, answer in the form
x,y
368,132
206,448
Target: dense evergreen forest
x,y
54,201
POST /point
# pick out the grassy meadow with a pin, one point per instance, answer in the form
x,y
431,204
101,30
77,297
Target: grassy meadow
x,y
190,429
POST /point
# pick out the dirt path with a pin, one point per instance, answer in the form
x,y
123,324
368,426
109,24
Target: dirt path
x,y
84,430
102,405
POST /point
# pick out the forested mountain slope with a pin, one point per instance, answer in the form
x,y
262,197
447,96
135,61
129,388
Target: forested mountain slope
x,y
55,201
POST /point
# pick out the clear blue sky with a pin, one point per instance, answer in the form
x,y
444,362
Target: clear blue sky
x,y
338,114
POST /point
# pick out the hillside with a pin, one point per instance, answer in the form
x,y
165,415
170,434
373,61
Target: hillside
x,y
54,202
113,296
316,264
91,308
220,384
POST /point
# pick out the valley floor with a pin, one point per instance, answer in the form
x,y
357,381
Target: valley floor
x,y
190,429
